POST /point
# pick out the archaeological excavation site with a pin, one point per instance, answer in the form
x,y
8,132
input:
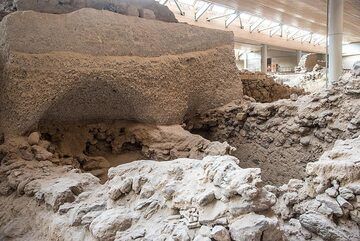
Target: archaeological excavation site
x,y
179,120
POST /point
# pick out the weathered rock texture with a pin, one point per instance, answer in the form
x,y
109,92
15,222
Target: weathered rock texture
x,y
283,136
6,7
139,8
313,81
356,69
263,88
183,199
309,61
124,142
93,65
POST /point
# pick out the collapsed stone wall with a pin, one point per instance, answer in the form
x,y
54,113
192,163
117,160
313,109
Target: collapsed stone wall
x,y
92,65
313,81
140,8
183,199
283,136
309,61
263,88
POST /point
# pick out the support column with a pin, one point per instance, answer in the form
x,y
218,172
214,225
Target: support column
x,y
264,58
245,61
335,36
298,56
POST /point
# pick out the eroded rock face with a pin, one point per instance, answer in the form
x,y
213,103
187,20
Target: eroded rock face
x,y
65,78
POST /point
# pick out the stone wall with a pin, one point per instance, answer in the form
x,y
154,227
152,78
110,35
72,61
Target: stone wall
x,y
263,88
92,65
308,62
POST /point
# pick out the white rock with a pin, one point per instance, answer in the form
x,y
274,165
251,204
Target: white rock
x,y
343,203
105,226
322,226
254,227
346,193
201,238
330,203
206,198
332,192
220,233
204,231
355,187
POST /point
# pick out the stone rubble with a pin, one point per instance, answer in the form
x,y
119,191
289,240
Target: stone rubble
x,y
264,88
183,199
281,137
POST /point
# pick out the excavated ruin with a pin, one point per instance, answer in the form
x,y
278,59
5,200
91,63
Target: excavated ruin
x,y
118,123
281,137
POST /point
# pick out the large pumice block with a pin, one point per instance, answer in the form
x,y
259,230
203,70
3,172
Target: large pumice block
x,y
126,7
93,65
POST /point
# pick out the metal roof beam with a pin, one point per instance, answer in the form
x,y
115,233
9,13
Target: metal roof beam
x,y
202,10
231,19
268,28
256,26
219,16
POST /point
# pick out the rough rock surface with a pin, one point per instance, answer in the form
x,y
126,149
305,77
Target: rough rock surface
x,y
96,147
309,61
356,69
6,7
283,136
263,88
139,8
131,69
183,199
312,81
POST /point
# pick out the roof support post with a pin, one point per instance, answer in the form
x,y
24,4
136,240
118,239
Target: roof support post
x,y
264,49
335,37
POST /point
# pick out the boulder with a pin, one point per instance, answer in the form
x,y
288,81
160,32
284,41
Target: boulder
x,y
254,227
140,8
105,226
322,226
34,138
220,233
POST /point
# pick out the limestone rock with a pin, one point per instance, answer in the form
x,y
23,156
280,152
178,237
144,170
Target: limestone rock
x,y
254,227
219,233
105,226
323,227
